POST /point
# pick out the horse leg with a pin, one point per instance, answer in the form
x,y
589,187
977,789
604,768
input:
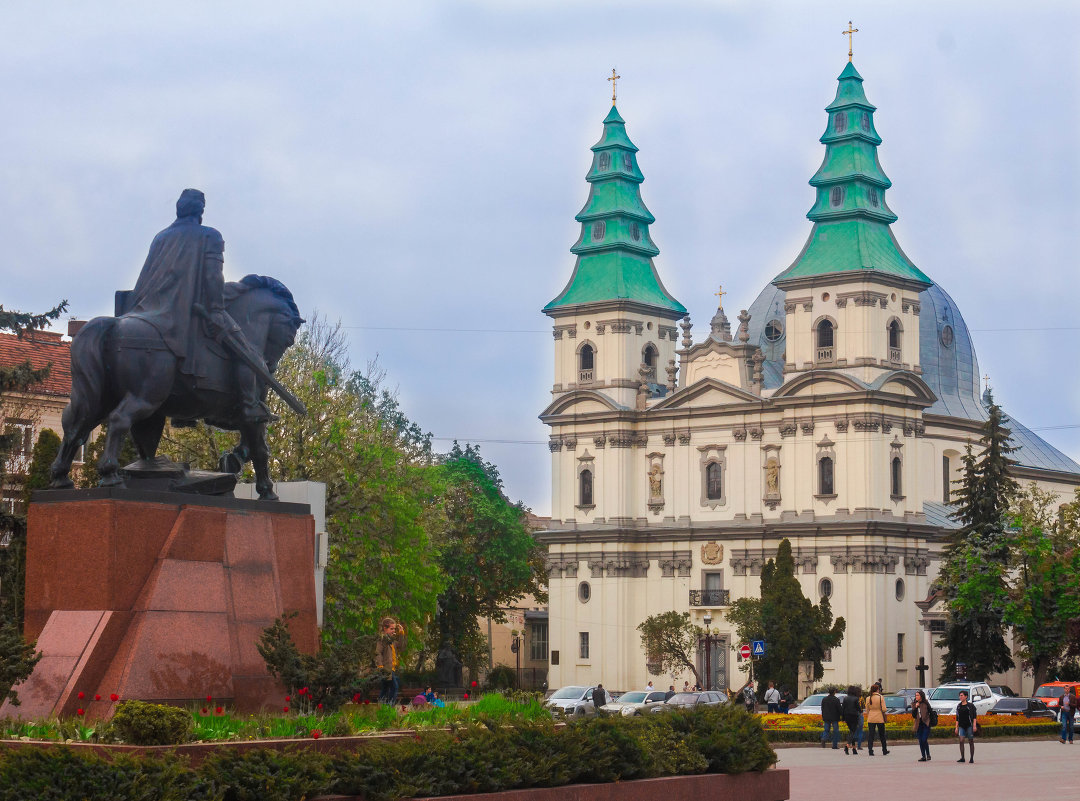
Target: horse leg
x,y
146,434
130,411
77,427
253,436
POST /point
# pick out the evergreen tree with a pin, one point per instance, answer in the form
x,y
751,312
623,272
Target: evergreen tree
x,y
974,572
45,450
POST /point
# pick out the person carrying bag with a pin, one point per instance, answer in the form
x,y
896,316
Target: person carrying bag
x,y
876,717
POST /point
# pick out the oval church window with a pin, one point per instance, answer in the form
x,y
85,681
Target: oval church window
x,y
825,588
947,336
598,229
773,330
635,232
837,196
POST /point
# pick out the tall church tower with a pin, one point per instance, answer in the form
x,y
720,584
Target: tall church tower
x,y
852,294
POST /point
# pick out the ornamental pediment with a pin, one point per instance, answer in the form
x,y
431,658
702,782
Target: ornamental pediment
x,y
707,392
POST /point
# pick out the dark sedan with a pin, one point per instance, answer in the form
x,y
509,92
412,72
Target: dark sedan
x,y
1028,707
691,700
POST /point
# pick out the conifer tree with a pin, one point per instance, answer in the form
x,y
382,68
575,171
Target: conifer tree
x,y
973,574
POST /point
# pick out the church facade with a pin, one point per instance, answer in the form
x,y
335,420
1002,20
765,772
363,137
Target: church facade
x,y
832,412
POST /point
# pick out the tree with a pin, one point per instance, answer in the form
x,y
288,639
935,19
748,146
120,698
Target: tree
x,y
670,642
794,629
973,573
1043,604
45,450
17,661
485,550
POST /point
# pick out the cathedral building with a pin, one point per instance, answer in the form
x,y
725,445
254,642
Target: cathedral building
x,y
833,412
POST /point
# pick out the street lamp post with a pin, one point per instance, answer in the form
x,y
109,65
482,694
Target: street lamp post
x,y
515,647
708,651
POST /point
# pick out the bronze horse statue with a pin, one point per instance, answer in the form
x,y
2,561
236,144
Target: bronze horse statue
x,y
123,374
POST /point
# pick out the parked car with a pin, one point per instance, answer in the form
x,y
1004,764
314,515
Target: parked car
x,y
691,700
633,703
1051,692
945,698
1028,707
570,701
811,705
909,692
897,704
1002,691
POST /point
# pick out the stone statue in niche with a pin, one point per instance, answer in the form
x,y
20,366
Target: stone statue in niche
x,y
656,483
772,476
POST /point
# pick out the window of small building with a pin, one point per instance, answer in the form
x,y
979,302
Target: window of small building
x,y
538,640
825,476
714,481
774,329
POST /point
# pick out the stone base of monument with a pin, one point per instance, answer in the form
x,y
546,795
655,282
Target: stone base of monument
x,y
160,597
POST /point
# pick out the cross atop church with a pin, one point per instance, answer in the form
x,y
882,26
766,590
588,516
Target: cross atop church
x,y
614,78
986,378
848,34
720,295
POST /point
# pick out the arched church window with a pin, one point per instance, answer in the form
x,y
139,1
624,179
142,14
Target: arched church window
x,y
825,476
714,481
839,121
895,333
825,588
774,329
825,341
836,197
585,488
897,477
604,161
649,356
874,197
866,121
635,232
586,357
628,162
598,229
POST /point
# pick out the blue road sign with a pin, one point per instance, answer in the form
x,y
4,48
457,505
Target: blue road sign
x,y
757,647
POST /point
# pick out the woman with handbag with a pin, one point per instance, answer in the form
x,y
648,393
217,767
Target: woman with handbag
x,y
876,717
920,711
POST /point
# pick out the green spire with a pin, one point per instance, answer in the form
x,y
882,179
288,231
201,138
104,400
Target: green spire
x,y
851,218
614,251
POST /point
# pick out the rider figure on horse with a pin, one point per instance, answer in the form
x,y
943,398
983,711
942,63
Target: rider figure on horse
x,y
183,276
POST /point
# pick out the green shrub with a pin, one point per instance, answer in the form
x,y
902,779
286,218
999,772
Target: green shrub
x,y
501,677
267,775
140,723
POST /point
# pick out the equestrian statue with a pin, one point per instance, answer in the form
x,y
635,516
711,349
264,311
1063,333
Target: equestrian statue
x,y
185,345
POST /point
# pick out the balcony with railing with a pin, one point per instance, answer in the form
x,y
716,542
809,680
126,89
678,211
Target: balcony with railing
x,y
825,354
585,376
710,597
895,355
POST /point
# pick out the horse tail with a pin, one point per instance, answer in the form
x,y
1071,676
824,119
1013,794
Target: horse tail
x,y
88,383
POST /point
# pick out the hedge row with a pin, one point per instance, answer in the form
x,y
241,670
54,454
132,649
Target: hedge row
x,y
478,758
905,733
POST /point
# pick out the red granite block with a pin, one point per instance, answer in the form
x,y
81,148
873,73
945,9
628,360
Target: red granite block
x,y
178,656
248,540
185,587
255,596
202,533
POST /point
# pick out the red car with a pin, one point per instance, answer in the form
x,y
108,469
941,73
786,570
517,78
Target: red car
x,y
1052,691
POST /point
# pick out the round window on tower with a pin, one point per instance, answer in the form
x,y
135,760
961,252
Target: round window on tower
x,y
825,588
774,329
899,589
947,336
598,229
584,592
635,232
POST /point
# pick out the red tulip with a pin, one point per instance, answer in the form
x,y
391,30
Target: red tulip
x,y
82,695
218,711
318,706
285,709
356,698
114,697
80,712
315,733
205,711
209,699
466,696
97,697
474,684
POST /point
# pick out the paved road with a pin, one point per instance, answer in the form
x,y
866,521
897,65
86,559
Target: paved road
x,y
1040,770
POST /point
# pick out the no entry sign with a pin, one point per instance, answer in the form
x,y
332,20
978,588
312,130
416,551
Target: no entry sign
x,y
744,651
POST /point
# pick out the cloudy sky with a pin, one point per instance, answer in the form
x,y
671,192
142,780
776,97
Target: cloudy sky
x,y
413,169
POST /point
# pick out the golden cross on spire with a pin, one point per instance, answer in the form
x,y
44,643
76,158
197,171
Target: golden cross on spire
x,y
848,34
720,295
614,77
986,378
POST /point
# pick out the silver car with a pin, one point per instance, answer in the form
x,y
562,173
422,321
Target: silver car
x,y
633,703
812,704
691,700
573,701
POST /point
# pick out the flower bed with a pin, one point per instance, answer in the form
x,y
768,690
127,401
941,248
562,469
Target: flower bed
x,y
808,728
473,758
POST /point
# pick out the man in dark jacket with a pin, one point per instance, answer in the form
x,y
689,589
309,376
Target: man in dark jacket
x,y
830,717
966,725
599,697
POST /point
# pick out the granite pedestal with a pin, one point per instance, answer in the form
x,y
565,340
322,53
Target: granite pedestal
x,y
160,597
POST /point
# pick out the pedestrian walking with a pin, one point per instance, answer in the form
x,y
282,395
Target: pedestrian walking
x,y
599,697
749,699
966,725
772,698
1067,715
787,700
852,714
876,718
920,712
648,687
670,692
686,686
831,712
